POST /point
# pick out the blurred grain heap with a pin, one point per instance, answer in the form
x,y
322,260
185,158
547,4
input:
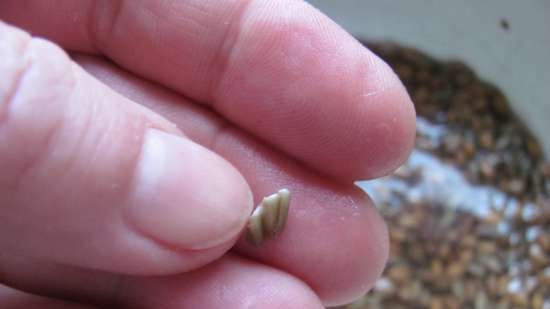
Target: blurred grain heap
x,y
447,257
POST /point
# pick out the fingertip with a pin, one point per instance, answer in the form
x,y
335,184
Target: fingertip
x,y
363,245
185,195
334,240
370,254
386,135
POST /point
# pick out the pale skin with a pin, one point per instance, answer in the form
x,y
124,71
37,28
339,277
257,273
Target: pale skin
x,y
129,169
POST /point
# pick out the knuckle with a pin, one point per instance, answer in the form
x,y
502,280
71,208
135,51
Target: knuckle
x,y
13,43
37,82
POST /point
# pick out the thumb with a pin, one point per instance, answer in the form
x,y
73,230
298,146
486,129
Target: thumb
x,y
89,178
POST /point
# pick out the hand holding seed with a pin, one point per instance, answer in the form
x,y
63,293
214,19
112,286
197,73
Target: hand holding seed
x,y
134,137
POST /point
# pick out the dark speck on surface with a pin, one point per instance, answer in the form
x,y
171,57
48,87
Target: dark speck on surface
x,y
504,24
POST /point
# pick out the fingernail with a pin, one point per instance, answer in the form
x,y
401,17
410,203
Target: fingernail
x,y
185,195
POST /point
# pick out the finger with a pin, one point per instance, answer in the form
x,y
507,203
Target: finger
x,y
279,69
92,179
14,299
230,283
334,240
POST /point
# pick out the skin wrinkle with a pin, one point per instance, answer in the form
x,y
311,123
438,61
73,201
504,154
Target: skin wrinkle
x,y
86,116
218,131
15,299
245,30
104,16
109,289
43,147
227,47
15,86
85,120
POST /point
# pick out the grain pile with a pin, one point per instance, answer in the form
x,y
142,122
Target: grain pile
x,y
448,257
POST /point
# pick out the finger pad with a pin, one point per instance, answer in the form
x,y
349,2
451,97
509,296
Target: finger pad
x,y
338,246
334,239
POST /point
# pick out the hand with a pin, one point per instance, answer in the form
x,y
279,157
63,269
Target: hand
x,y
129,169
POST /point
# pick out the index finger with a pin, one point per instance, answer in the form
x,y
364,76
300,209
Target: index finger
x,y
279,69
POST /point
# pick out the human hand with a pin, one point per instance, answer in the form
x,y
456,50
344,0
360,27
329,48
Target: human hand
x,y
127,174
